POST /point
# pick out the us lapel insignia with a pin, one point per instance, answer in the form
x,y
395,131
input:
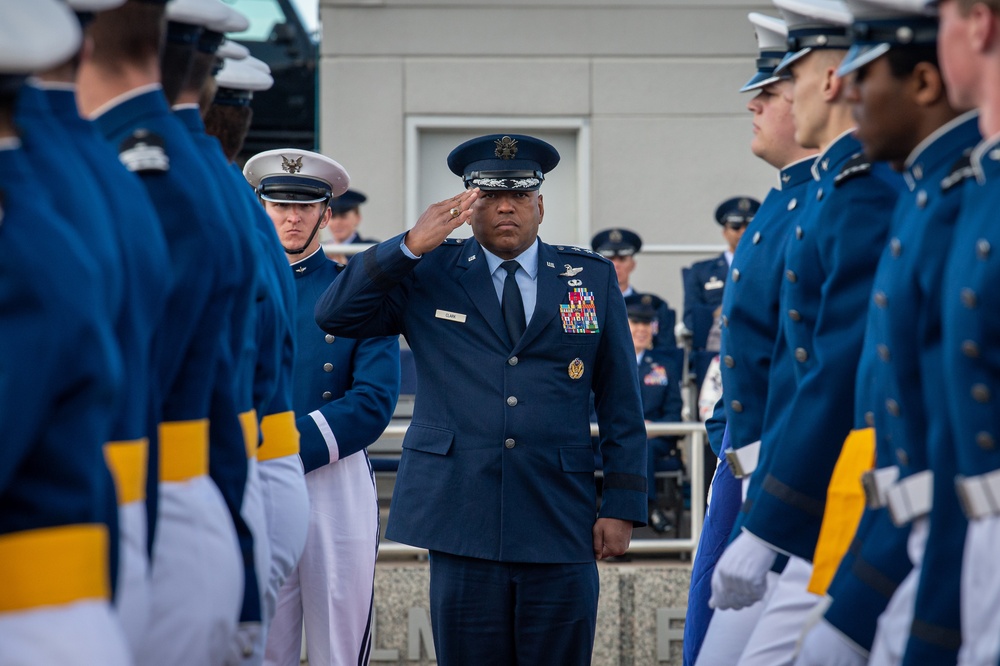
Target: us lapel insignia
x,y
570,271
575,369
550,264
472,258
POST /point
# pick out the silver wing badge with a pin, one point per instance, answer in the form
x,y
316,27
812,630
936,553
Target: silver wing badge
x,y
570,271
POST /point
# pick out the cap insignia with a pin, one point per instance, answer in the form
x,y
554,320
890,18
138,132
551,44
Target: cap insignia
x,y
293,165
615,236
744,204
506,148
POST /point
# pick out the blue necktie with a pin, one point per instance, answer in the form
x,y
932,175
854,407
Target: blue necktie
x,y
511,303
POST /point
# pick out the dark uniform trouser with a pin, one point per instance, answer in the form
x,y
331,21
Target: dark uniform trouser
x,y
502,613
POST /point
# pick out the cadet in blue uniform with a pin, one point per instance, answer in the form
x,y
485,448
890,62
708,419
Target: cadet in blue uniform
x,y
621,246
345,213
282,481
60,389
914,128
750,316
829,265
145,283
199,27
659,388
704,280
510,336
970,325
197,568
345,393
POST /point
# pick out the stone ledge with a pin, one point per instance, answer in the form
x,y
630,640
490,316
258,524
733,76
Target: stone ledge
x,y
640,619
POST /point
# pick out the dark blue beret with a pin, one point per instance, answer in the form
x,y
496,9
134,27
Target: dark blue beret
x,y
503,162
738,210
346,201
616,243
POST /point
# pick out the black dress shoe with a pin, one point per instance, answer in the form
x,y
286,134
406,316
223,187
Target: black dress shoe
x,y
659,521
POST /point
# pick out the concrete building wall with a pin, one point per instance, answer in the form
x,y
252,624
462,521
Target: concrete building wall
x,y
651,85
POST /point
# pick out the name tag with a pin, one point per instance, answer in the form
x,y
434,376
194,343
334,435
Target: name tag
x,y
450,316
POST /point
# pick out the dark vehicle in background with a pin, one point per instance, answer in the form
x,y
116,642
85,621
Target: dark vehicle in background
x,y
285,115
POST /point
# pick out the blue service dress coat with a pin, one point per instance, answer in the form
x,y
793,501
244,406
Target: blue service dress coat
x,y
902,354
750,316
704,283
347,387
497,463
829,266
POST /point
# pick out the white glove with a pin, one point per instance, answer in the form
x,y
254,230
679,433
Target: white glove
x,y
243,645
740,577
825,646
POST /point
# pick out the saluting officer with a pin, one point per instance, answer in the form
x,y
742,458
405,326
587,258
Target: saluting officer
x,y
971,356
829,265
345,393
704,281
197,566
750,316
904,118
61,384
620,246
510,336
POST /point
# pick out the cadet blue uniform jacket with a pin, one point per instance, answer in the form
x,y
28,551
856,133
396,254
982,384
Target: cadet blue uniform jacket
x,y
704,282
194,360
343,387
912,431
498,462
61,371
829,265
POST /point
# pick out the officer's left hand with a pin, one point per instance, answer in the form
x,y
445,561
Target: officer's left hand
x,y
740,577
611,537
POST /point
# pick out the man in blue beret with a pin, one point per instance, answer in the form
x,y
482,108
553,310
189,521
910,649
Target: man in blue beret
x,y
620,246
510,336
705,280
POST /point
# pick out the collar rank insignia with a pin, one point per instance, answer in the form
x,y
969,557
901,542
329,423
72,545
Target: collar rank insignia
x,y
293,165
785,177
506,148
570,271
300,269
143,151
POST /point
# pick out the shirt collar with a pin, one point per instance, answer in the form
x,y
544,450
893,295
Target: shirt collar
x,y
528,260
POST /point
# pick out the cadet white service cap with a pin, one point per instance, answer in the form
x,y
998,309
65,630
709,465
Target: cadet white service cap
x,y
232,50
772,42
291,175
881,25
37,35
813,25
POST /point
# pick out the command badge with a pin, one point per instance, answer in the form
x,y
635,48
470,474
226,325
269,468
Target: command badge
x,y
575,369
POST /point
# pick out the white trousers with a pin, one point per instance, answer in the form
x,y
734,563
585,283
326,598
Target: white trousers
x,y
197,578
331,588
132,597
286,512
893,630
729,630
981,594
254,513
83,633
775,639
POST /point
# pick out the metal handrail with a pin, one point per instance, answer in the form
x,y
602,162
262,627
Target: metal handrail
x,y
695,431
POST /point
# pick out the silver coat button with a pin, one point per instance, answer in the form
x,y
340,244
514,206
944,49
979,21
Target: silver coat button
x,y
512,360
327,395
329,338
512,401
801,355
328,367
509,443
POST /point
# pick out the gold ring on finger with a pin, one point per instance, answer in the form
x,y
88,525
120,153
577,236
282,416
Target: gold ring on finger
x,y
455,212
